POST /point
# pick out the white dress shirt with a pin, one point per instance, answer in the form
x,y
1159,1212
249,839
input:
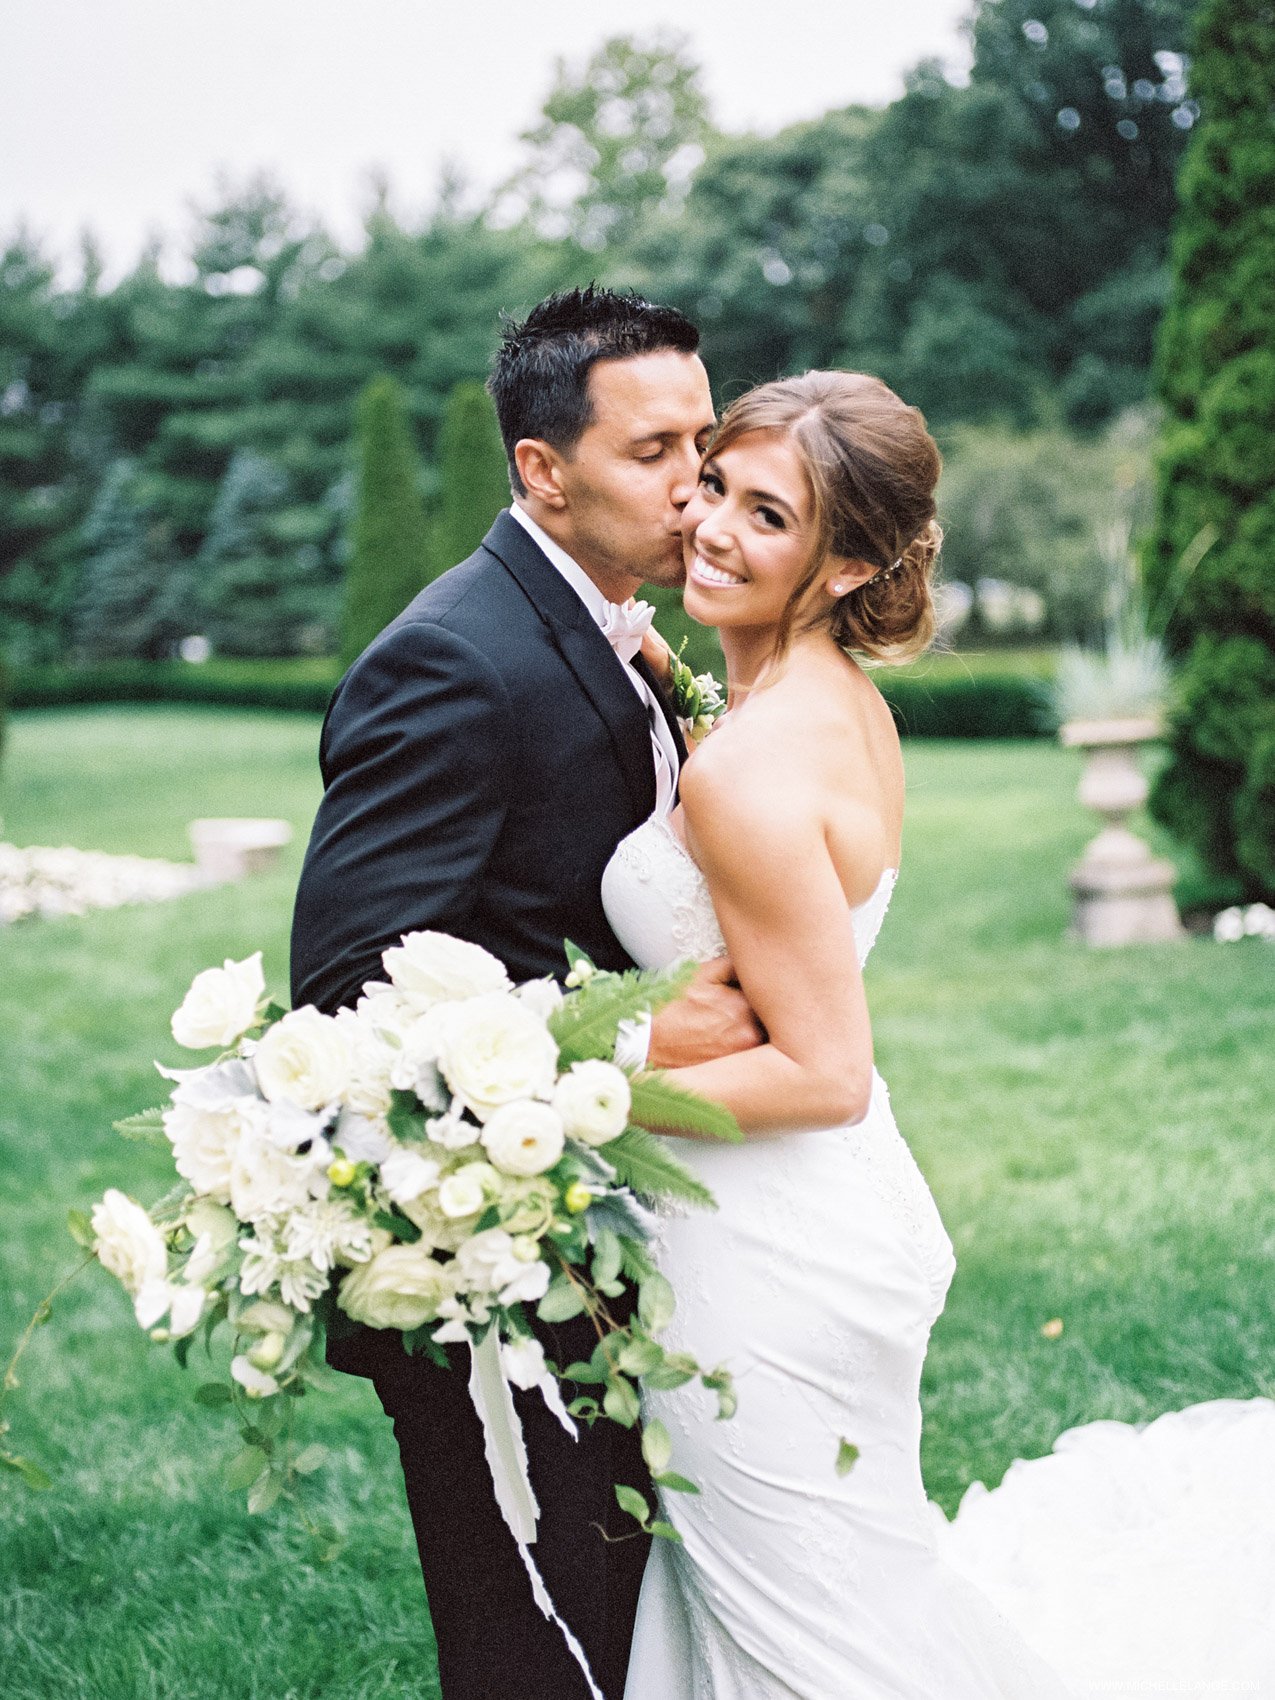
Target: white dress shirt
x,y
663,749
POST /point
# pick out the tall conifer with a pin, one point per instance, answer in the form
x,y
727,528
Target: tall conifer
x,y
1211,559
388,560
473,473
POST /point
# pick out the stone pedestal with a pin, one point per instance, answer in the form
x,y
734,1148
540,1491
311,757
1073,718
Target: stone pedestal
x,y
1123,894
233,848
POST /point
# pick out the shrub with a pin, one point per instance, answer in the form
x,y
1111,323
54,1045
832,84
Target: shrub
x,y
473,475
389,560
1217,378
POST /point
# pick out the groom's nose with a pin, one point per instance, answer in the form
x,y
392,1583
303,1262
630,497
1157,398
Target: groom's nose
x,y
686,477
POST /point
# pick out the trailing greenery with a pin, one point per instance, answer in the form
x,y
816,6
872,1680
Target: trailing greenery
x,y
1217,379
473,475
389,561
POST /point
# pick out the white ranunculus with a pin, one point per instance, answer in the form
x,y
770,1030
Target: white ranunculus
x,y
265,1181
221,1005
401,1287
368,1088
204,1144
466,1191
405,1174
303,1058
437,968
127,1242
494,1050
525,1138
593,1099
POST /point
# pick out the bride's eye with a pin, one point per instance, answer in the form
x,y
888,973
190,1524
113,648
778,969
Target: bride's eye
x,y
710,481
772,519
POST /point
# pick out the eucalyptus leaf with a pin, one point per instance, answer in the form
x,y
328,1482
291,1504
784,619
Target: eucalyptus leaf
x,y
656,1302
674,1483
213,1393
264,1491
608,1255
847,1457
630,1500
563,1301
310,1459
30,1472
80,1228
244,1468
620,1402
665,1531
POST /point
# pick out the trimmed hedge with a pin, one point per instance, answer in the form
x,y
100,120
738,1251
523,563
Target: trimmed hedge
x,y
295,686
932,701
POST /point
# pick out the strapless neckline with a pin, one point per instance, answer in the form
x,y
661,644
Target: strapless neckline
x,y
887,882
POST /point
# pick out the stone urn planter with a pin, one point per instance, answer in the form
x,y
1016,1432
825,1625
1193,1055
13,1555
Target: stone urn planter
x,y
233,848
1123,894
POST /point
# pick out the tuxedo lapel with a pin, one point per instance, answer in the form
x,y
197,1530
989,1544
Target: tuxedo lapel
x,y
661,696
586,652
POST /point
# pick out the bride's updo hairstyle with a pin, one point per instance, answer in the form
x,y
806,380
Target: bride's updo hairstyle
x,y
873,469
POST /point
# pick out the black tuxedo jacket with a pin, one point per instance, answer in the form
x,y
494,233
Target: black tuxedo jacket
x,y
482,759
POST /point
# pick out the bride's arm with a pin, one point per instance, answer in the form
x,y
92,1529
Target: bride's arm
x,y
788,929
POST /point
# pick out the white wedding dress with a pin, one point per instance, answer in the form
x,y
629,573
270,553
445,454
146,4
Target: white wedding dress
x,y
817,1282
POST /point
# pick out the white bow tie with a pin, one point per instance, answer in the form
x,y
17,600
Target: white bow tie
x,y
624,625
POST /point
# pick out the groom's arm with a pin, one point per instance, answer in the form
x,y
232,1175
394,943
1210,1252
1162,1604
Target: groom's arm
x,y
416,756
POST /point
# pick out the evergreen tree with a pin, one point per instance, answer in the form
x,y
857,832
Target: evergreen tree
x,y
131,603
473,475
389,557
1211,559
262,587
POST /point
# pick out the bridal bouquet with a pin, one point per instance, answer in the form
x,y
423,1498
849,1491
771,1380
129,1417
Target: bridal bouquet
x,y
443,1158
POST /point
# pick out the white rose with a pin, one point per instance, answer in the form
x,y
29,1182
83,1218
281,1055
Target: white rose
x,y
128,1244
593,1099
221,1005
204,1144
401,1287
493,1050
405,1174
265,1181
368,1088
524,1138
437,968
303,1058
466,1191
213,1223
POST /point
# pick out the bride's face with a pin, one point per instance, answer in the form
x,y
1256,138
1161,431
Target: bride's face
x,y
747,533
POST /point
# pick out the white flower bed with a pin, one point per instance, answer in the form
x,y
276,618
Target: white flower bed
x,y
39,880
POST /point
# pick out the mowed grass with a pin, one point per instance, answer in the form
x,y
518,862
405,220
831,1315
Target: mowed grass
x,y
1096,1127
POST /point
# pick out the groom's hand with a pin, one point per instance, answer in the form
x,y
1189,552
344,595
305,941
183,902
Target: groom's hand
x,y
711,1019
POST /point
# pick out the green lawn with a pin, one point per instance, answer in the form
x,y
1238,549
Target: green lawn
x,y
1093,1125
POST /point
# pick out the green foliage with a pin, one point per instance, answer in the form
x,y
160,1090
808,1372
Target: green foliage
x,y
473,475
616,140
646,1163
1217,378
302,686
389,559
134,597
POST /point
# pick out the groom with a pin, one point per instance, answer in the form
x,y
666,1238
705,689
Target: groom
x,y
482,759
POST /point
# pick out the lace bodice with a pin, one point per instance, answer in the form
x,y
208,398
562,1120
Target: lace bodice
x,y
659,907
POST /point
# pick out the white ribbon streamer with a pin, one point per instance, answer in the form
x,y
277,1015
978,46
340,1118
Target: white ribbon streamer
x,y
507,1460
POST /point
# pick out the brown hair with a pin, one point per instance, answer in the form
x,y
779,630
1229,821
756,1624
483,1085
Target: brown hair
x,y
873,468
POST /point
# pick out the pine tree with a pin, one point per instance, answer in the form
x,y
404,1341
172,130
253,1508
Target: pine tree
x,y
389,556
1211,559
134,601
473,473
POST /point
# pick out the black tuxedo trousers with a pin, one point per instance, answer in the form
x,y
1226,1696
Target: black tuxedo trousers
x,y
481,761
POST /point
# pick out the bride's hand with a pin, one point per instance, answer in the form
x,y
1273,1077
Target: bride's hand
x,y
658,656
711,1019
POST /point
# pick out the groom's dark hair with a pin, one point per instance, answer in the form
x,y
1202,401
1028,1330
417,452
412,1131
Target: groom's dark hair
x,y
540,379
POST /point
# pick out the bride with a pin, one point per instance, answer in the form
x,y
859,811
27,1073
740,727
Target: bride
x,y
812,535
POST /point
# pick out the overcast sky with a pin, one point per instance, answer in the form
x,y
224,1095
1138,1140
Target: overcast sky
x,y
114,114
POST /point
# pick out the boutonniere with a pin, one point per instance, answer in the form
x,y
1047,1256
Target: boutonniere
x,y
697,697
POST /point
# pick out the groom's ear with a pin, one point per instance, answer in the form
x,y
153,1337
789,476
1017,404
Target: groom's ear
x,y
540,468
